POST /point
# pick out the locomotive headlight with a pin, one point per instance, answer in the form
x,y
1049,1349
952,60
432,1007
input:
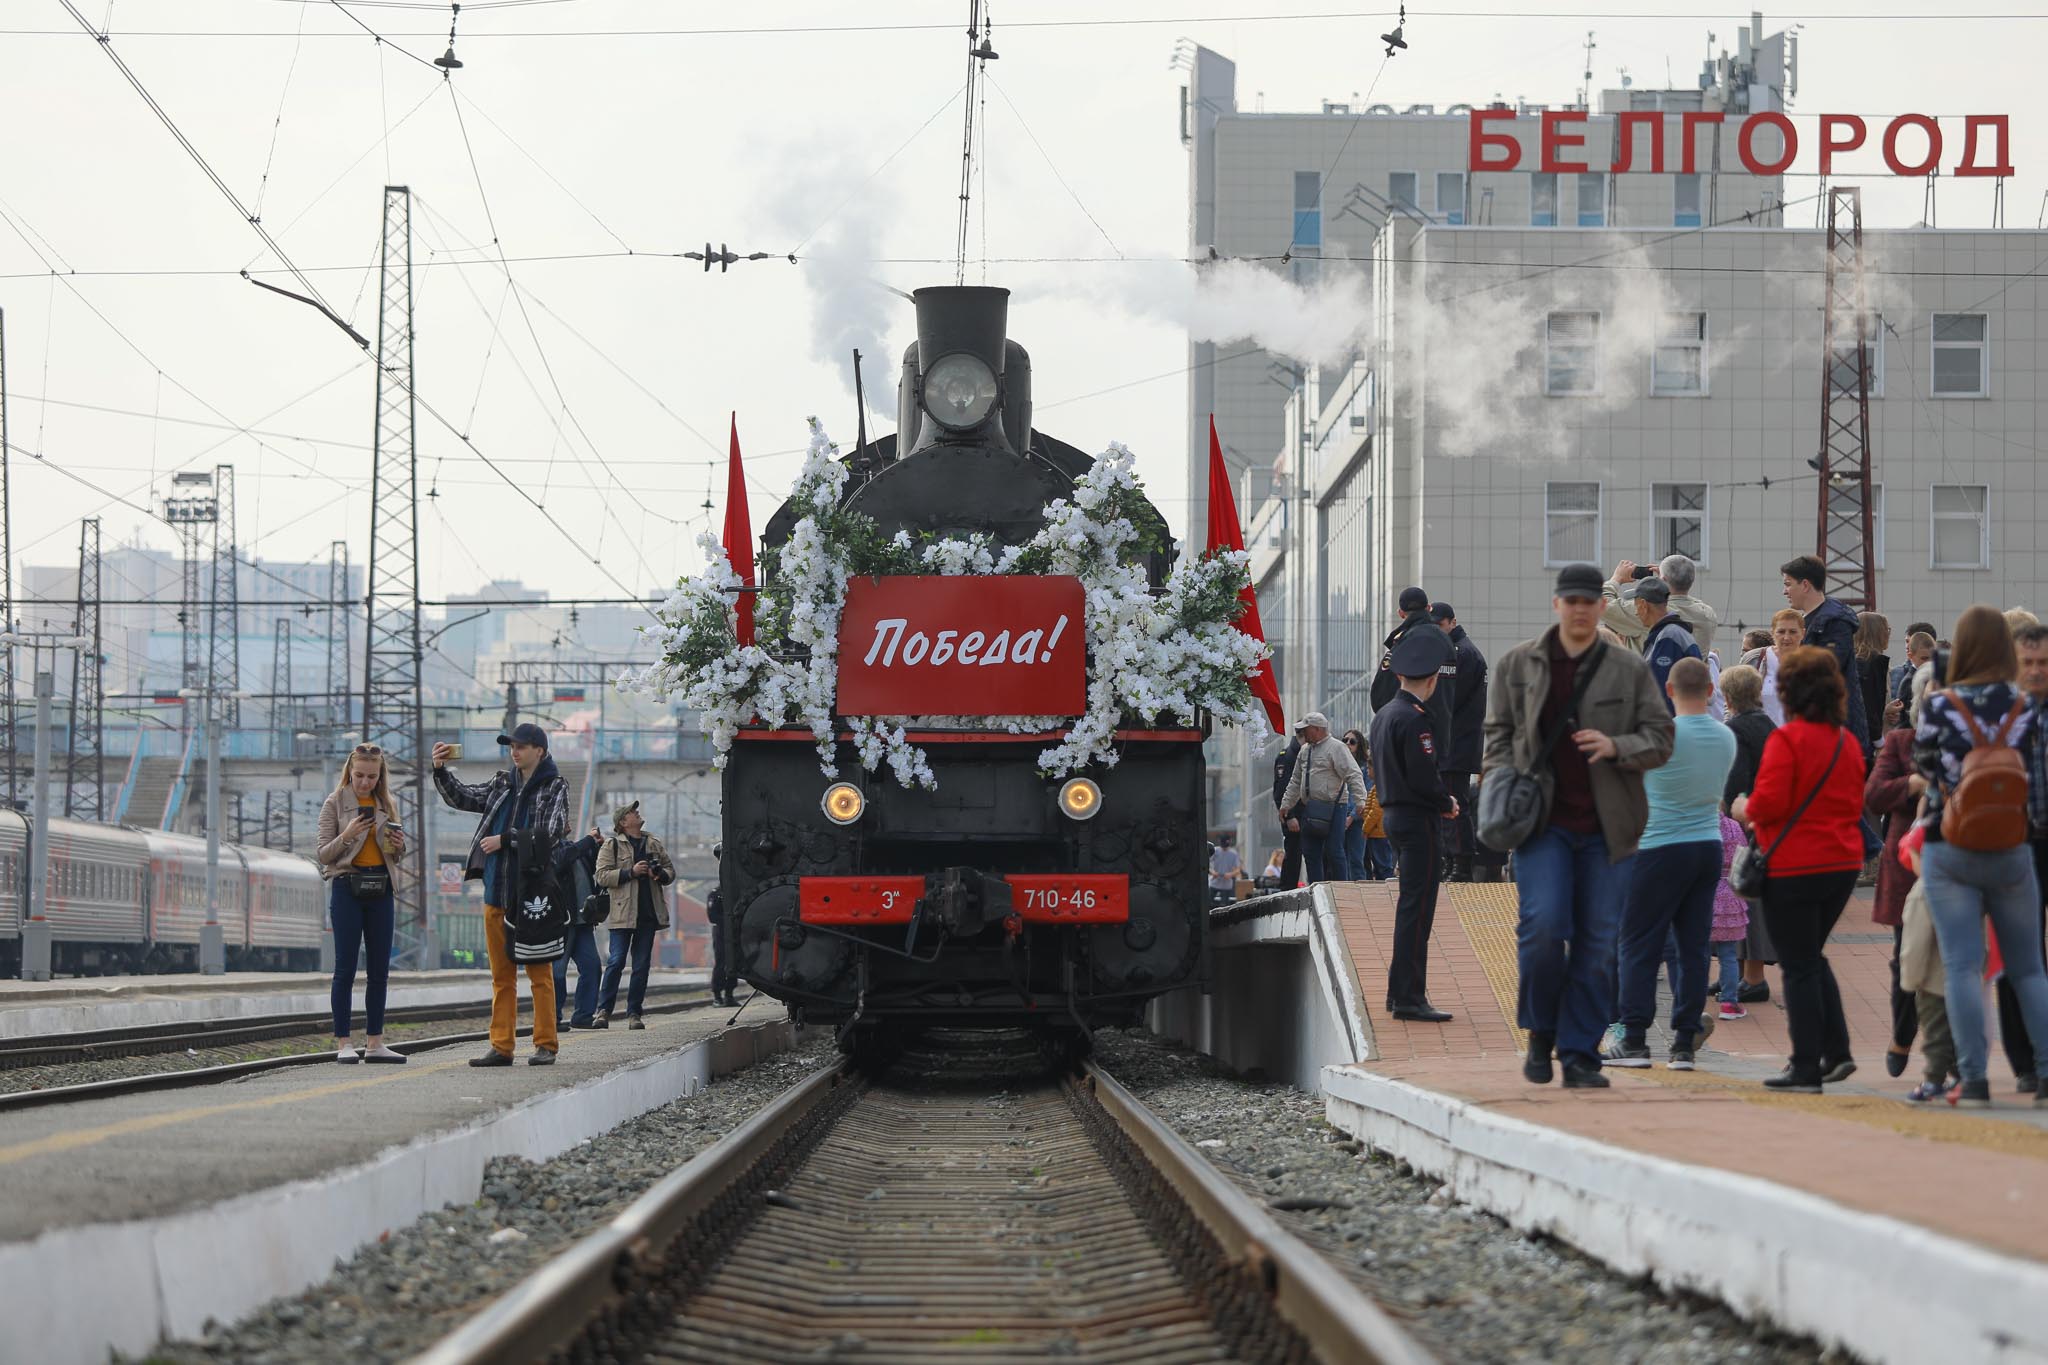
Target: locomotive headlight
x,y
843,803
959,391
1080,799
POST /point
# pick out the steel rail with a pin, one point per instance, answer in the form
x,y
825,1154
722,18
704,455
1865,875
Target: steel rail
x,y
228,1071
140,1040
601,1283
551,1307
1337,1320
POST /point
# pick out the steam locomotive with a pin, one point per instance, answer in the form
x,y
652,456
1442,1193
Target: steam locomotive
x,y
1002,897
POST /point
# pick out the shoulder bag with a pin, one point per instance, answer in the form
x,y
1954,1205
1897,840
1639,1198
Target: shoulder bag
x,y
1511,799
1316,816
597,906
1752,865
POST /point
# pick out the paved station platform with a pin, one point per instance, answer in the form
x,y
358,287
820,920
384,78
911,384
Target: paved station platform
x,y
1904,1232
128,1218
75,1004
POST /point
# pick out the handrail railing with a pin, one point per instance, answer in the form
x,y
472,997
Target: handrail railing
x,y
177,796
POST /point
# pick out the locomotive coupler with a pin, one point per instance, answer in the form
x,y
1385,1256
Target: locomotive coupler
x,y
964,900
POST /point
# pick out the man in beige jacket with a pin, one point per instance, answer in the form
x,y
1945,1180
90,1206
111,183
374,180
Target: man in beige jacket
x,y
636,869
1323,771
1679,574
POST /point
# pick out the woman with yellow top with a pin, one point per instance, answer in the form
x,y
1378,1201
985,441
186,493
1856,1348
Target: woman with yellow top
x,y
360,858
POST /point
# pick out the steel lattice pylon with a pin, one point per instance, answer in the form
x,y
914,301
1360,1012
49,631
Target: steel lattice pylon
x,y
1845,528
189,515
392,714
224,607
84,757
337,683
278,813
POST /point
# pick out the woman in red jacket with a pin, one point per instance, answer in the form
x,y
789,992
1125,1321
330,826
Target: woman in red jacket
x,y
1815,856
1892,795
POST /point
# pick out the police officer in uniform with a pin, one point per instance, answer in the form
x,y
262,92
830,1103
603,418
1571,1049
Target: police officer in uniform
x,y
1405,757
722,976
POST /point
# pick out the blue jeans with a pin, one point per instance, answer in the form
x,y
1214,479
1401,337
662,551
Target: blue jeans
x,y
582,947
1730,955
1670,897
1324,859
1355,858
1379,859
357,923
641,942
1570,913
1962,889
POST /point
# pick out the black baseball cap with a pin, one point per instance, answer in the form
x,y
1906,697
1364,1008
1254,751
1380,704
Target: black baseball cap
x,y
526,733
1579,580
1654,591
1414,599
1442,611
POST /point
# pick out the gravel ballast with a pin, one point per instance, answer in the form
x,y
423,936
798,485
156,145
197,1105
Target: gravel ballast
x,y
1470,1287
416,1285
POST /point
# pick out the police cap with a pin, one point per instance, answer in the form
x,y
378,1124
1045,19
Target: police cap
x,y
1420,653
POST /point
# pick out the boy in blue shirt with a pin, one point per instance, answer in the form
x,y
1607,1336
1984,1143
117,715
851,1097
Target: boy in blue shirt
x,y
1676,869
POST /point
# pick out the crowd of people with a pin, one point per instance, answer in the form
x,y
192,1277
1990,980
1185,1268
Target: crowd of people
x,y
546,896
1663,814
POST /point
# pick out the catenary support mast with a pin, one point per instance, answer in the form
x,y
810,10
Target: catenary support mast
x,y
392,714
1846,542
84,757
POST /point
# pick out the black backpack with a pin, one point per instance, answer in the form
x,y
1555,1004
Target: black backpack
x,y
539,915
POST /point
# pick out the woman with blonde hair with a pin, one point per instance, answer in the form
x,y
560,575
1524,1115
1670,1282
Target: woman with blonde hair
x,y
359,858
1788,628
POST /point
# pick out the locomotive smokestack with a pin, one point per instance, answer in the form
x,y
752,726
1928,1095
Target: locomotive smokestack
x,y
961,360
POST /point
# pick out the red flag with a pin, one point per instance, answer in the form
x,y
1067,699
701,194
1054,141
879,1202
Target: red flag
x,y
1224,534
739,534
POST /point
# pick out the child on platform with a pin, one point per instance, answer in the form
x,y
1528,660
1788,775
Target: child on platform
x,y
1731,926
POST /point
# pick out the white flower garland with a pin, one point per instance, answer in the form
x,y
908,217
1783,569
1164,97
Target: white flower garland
x,y
1171,655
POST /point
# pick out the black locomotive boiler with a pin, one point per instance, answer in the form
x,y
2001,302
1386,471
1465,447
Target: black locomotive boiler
x,y
1002,897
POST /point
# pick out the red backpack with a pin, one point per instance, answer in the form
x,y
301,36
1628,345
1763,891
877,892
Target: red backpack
x,y
1986,811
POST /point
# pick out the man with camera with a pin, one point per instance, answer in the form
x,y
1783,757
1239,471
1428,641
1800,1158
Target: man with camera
x,y
525,811
1678,573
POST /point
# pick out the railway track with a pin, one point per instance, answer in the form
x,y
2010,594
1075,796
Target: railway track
x,y
674,1000
938,1216
140,1040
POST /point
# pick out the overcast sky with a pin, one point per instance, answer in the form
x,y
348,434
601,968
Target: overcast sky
x,y
599,126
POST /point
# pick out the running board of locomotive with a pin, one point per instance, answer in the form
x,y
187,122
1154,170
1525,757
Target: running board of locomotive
x,y
962,901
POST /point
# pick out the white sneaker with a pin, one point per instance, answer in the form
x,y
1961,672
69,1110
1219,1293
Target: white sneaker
x,y
348,1056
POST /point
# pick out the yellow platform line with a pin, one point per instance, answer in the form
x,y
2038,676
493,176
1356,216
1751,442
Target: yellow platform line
x,y
1488,911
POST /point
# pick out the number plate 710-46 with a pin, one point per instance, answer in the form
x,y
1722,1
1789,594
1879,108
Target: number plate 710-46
x,y
1043,898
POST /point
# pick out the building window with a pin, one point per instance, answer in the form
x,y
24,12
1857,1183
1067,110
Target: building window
x,y
1308,212
1685,201
1678,520
1961,355
1401,190
1450,196
1542,199
1593,199
1571,524
1841,507
1571,354
1960,537
1873,347
1678,363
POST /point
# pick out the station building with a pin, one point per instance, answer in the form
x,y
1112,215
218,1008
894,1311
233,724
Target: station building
x,y
1553,368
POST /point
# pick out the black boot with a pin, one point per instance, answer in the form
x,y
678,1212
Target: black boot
x,y
1579,1076
1536,1068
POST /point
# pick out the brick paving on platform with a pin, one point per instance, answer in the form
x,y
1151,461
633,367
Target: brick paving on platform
x,y
1978,1175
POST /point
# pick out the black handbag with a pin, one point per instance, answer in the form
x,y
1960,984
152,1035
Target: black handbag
x,y
1751,866
1317,817
1511,800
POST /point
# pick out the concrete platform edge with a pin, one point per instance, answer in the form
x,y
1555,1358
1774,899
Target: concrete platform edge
x,y
1886,1290
78,1014
78,1292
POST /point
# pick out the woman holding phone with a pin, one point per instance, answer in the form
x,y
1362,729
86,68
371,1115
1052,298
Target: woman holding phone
x,y
360,848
